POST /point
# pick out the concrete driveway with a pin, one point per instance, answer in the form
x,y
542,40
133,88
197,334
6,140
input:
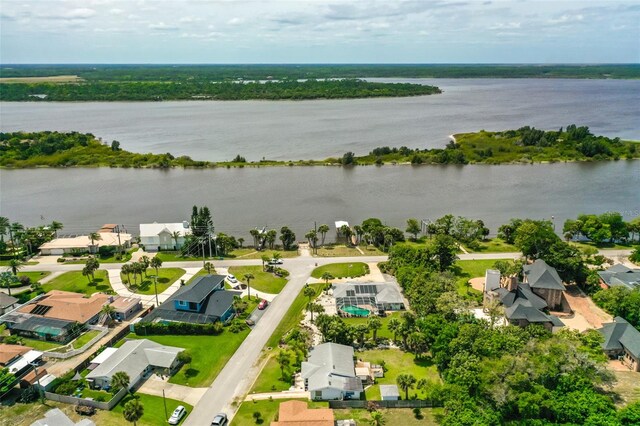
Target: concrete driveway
x,y
154,385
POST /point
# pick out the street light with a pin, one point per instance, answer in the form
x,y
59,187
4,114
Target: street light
x,y
155,286
215,246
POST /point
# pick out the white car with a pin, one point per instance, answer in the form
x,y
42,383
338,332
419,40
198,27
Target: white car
x,y
177,415
232,279
276,262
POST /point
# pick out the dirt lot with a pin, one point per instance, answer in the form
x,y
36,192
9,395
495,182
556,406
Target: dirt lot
x,y
583,306
627,386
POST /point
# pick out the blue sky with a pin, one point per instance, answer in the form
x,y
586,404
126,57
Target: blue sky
x,y
300,31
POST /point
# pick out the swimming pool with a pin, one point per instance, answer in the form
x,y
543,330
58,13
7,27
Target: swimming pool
x,y
356,311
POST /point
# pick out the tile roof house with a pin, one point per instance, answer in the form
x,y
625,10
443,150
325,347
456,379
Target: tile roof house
x,y
622,340
11,353
159,236
329,373
620,276
137,358
204,301
68,306
296,413
522,305
545,282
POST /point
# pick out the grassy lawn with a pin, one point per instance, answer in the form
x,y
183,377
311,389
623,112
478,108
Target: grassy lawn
x,y
250,253
6,262
34,276
270,378
19,414
467,269
292,317
341,270
268,409
74,281
382,332
627,387
166,277
493,245
153,411
209,353
40,345
392,416
265,282
84,338
342,251
175,256
397,362
606,246
202,272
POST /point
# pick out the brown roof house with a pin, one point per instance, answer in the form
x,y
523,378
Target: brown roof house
x,y
56,315
10,353
296,413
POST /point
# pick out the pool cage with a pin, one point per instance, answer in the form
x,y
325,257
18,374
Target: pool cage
x,y
364,305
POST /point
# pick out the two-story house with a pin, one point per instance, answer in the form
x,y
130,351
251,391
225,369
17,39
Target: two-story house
x,y
163,236
204,301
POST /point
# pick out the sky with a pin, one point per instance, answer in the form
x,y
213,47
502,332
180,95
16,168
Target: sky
x,y
314,31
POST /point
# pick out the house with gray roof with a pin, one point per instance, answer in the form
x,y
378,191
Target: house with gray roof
x,y
620,276
137,358
7,303
376,298
389,392
522,305
204,301
56,417
622,341
329,373
545,282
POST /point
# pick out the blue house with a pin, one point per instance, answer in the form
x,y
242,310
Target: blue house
x,y
204,301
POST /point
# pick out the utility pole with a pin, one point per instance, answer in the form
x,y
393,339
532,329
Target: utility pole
x,y
119,242
155,286
203,260
166,416
209,238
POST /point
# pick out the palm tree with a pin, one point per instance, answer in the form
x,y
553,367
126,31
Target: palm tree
x,y
209,266
256,236
265,259
120,380
377,419
175,235
358,231
309,292
94,236
361,331
55,227
15,265
312,237
374,325
406,382
284,359
86,272
270,237
314,308
394,326
146,262
346,232
326,276
8,280
133,411
276,255
155,263
126,269
240,241
322,230
4,226
249,277
109,311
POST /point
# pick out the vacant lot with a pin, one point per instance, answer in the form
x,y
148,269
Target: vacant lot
x,y
74,281
343,251
293,316
153,411
392,416
267,410
265,282
341,270
166,277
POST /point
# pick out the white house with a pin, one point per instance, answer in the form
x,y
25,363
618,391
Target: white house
x,y
330,373
163,236
137,358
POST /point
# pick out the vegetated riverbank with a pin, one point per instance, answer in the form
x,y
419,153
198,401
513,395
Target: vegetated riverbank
x,y
526,145
170,72
17,91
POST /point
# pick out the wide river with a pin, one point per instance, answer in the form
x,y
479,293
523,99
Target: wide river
x,y
297,196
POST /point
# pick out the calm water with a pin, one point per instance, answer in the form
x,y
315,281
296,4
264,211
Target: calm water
x,y
318,129
242,198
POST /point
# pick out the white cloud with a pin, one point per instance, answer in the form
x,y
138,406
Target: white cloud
x,y
505,26
116,11
190,19
79,13
161,26
565,19
235,21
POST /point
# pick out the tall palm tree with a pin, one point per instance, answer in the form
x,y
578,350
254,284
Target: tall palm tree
x,y
133,411
284,360
55,227
326,276
256,235
314,308
406,382
8,280
249,277
126,269
394,326
322,230
108,311
309,292
145,262
374,325
4,226
15,265
265,259
175,235
156,263
94,236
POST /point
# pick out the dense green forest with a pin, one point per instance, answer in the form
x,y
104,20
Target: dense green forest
x,y
294,71
525,145
208,90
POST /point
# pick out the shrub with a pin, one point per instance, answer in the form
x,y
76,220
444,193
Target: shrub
x,y
24,280
143,329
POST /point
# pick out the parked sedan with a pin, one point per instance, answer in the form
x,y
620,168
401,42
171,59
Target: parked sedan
x,y
177,415
232,279
219,420
263,304
276,262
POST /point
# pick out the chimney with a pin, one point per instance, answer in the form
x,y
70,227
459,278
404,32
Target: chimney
x,y
512,282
